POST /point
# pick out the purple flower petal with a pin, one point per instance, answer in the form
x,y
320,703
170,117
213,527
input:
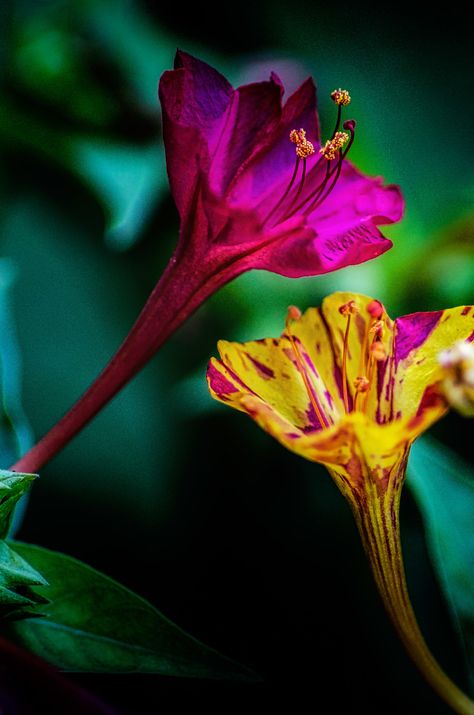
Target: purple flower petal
x,y
239,188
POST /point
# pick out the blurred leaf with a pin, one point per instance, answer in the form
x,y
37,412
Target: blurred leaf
x,y
139,47
22,130
53,42
443,486
438,275
93,624
129,180
428,282
15,433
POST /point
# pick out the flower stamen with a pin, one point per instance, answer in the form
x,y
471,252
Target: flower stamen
x,y
285,193
331,150
301,184
341,97
361,386
304,148
348,309
363,363
375,329
377,353
332,146
317,197
294,313
335,96
338,138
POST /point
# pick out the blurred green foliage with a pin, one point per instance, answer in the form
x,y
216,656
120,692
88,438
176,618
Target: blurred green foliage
x,y
15,433
245,538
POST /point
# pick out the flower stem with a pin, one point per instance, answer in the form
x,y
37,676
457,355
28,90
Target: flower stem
x,y
376,512
178,293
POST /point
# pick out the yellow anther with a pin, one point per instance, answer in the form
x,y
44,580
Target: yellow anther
x,y
341,97
332,146
304,148
328,151
361,384
349,308
294,313
297,136
377,350
339,139
458,382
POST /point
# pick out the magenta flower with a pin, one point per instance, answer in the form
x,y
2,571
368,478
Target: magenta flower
x,y
254,189
245,199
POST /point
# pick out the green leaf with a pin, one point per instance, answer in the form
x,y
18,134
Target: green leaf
x,y
443,487
17,598
16,576
13,486
93,624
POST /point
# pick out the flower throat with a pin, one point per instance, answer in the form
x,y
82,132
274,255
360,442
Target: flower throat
x,y
372,352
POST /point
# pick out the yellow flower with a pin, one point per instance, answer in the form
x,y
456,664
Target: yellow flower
x,y
348,387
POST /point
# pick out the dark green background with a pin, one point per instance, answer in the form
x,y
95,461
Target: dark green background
x,y
246,546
